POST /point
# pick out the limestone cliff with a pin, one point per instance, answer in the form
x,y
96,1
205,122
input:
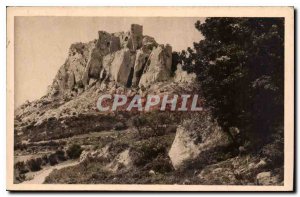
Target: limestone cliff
x,y
124,62
126,58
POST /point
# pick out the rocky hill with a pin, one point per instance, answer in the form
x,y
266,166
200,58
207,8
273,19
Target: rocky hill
x,y
161,147
124,62
128,58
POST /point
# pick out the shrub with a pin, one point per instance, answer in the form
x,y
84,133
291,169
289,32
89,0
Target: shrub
x,y
162,164
45,159
138,122
60,155
157,123
21,167
34,164
274,151
74,151
120,126
147,150
53,159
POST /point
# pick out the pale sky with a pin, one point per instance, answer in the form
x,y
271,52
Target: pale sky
x,y
42,43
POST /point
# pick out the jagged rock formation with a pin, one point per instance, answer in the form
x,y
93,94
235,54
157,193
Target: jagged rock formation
x,y
158,67
131,63
194,138
127,58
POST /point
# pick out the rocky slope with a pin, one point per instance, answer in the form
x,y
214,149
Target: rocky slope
x,y
125,62
182,148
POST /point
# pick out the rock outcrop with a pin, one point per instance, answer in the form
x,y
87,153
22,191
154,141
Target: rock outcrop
x,y
122,66
158,66
115,151
127,58
194,138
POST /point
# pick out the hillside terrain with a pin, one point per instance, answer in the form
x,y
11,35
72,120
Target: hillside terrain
x,y
64,138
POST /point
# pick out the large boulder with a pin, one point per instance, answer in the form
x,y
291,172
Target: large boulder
x,y
158,67
141,59
122,66
194,138
183,148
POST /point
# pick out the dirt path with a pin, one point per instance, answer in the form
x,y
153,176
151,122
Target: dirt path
x,y
40,176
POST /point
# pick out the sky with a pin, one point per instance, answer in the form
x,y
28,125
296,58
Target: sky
x,y
42,43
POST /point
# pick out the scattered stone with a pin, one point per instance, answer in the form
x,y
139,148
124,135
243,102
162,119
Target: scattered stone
x,y
123,160
261,164
266,178
218,175
151,172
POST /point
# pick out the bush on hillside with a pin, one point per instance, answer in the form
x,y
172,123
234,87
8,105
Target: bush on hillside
x,y
74,151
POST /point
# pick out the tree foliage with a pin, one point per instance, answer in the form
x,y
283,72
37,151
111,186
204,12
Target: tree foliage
x,y
240,65
74,151
186,58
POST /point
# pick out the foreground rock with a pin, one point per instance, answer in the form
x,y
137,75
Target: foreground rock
x,y
191,140
240,170
266,178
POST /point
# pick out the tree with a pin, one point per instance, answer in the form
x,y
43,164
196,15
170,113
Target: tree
x,y
138,122
185,58
156,122
240,65
34,164
74,151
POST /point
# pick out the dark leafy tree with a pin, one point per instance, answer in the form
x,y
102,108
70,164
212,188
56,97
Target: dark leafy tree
x,y
240,64
74,151
34,164
186,58
175,61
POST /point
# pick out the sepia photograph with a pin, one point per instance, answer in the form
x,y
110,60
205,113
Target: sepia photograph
x,y
150,98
